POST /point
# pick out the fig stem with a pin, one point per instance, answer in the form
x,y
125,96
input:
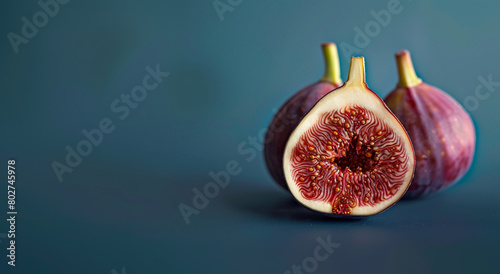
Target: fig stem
x,y
332,65
356,71
407,76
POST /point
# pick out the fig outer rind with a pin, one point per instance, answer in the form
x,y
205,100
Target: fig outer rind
x,y
442,134
285,121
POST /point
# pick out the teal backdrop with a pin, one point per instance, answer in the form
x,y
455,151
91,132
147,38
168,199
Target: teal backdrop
x,y
175,96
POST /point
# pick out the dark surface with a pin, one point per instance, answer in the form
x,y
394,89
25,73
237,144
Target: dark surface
x,y
119,209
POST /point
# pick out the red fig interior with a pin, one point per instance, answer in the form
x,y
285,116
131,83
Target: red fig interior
x,y
349,155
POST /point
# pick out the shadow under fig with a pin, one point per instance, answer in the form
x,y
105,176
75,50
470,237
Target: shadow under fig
x,y
277,204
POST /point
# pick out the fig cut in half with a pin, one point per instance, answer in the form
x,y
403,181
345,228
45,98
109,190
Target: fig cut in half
x,y
349,156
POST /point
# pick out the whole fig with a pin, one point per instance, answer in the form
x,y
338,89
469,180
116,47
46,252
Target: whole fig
x,y
293,110
440,129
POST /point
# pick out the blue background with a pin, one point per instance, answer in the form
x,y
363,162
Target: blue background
x,y
119,208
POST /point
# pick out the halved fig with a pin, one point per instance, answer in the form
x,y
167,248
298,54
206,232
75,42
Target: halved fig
x,y
349,156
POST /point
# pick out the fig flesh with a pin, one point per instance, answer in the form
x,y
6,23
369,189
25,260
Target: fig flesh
x,y
441,131
293,110
349,155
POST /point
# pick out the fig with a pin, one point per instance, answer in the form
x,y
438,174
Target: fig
x,y
292,111
440,129
349,156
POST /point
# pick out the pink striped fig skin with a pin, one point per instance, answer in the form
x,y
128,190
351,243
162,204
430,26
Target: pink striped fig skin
x,y
442,134
285,121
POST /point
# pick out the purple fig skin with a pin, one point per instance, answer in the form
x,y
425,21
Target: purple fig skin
x,y
292,111
440,129
285,121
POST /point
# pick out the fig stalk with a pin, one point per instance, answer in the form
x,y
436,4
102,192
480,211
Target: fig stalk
x,y
407,76
332,64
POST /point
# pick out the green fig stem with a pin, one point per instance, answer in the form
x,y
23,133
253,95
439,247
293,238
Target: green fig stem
x,y
356,71
332,65
407,76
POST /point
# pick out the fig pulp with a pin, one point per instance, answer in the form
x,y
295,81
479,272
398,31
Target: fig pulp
x,y
293,110
349,156
440,129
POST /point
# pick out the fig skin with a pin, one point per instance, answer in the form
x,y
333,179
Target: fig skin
x,y
294,109
440,129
